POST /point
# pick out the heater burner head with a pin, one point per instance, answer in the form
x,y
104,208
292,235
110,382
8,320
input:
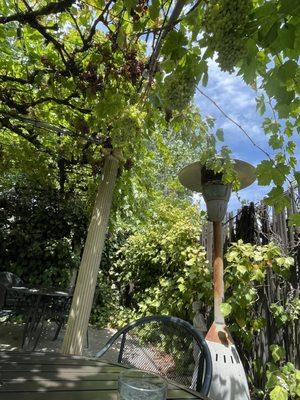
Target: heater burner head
x,y
193,176
216,194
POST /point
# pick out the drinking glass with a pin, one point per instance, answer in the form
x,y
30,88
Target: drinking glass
x,y
139,385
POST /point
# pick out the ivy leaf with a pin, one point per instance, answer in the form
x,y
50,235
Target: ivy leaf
x,y
279,393
271,126
181,287
121,38
226,309
288,131
275,88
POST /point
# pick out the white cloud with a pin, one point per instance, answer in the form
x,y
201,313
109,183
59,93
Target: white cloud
x,y
238,102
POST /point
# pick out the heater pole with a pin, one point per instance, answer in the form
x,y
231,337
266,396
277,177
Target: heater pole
x,y
228,379
218,272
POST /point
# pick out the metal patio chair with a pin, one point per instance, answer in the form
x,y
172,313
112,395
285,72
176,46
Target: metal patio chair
x,y
164,345
10,303
9,279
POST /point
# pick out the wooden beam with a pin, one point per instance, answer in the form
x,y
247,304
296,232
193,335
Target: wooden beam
x,y
88,271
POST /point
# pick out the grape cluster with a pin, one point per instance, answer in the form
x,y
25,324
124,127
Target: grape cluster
x,y
139,9
90,77
178,91
224,23
133,68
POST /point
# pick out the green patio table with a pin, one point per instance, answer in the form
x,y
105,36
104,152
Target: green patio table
x,y
52,376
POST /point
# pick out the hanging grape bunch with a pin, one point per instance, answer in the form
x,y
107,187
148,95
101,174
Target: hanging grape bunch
x,y
224,23
133,68
178,91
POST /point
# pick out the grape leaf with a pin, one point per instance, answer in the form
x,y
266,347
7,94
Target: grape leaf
x,y
154,10
297,177
278,199
263,172
260,104
173,42
277,352
220,134
294,220
287,70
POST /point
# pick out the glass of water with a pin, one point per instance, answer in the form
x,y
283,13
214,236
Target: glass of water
x,y
139,385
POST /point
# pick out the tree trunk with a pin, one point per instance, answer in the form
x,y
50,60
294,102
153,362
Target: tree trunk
x,y
87,276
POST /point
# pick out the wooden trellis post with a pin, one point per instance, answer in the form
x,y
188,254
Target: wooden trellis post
x,y
87,276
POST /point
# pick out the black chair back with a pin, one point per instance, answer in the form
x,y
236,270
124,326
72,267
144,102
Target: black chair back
x,y
164,345
8,279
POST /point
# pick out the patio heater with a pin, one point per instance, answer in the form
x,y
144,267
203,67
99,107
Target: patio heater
x,y
229,380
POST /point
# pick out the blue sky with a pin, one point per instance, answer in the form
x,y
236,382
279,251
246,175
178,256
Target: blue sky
x,y
238,101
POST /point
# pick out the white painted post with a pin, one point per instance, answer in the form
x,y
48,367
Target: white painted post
x,y
87,276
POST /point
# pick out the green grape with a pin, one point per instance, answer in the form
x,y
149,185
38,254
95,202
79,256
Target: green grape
x,y
224,23
178,91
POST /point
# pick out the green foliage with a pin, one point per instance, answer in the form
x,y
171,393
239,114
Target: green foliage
x,y
78,79
160,267
225,23
106,302
178,91
245,273
246,269
41,234
259,40
294,219
289,313
283,379
97,88
72,90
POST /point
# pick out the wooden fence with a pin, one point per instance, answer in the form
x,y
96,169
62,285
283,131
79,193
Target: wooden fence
x,y
259,224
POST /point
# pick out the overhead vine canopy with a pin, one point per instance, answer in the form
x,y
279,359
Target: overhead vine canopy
x,y
79,76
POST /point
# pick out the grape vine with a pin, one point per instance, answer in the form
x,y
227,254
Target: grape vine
x,y
224,23
178,91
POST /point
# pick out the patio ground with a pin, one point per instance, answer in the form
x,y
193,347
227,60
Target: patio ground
x,y
11,338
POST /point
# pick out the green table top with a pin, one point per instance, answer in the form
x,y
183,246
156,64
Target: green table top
x,y
49,376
